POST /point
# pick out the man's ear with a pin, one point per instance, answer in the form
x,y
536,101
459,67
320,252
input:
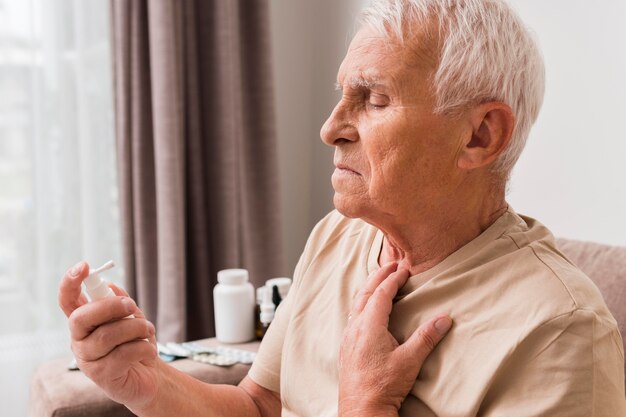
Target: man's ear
x,y
492,127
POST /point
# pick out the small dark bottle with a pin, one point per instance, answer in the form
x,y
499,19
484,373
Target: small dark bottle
x,y
276,298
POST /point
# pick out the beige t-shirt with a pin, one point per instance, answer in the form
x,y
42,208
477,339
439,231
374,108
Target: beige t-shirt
x,y
531,336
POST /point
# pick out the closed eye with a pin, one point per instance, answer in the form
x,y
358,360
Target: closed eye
x,y
377,101
365,95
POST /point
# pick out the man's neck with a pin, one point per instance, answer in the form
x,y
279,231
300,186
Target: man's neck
x,y
423,243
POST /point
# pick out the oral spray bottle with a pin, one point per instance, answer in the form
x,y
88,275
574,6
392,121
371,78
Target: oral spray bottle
x,y
96,287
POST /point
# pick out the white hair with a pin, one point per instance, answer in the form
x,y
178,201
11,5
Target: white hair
x,y
486,53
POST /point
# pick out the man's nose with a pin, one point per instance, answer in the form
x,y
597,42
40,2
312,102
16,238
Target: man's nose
x,y
339,127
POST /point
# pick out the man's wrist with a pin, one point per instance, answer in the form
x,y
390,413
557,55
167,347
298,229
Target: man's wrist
x,y
148,408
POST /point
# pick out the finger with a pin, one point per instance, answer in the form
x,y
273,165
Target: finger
x,y
425,339
380,304
137,312
70,295
107,337
84,320
118,290
370,286
122,292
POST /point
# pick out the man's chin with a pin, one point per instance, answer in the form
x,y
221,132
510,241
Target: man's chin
x,y
347,206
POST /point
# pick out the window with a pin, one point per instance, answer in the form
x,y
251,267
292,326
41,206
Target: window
x,y
58,189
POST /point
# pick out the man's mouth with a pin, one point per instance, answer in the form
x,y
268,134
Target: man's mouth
x,y
346,169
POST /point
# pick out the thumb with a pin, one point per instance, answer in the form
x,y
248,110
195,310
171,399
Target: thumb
x,y
424,340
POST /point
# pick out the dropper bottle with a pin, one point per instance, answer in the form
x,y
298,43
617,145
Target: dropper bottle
x,y
267,311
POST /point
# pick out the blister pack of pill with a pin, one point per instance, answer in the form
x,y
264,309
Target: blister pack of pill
x,y
213,359
238,355
220,355
171,351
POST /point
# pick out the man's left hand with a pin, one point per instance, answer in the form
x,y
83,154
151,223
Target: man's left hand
x,y
376,373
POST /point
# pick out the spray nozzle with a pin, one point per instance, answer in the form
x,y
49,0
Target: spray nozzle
x,y
103,268
97,287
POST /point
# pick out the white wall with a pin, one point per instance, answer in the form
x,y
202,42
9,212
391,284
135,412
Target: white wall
x,y
309,39
572,175
573,172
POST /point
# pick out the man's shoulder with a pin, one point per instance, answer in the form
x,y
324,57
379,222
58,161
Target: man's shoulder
x,y
526,320
547,277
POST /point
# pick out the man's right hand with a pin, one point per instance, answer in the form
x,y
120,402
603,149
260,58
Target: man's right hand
x,y
118,353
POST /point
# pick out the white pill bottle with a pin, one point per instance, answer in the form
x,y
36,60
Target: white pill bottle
x,y
233,299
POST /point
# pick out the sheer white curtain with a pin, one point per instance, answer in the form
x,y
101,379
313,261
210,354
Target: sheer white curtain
x,y
58,191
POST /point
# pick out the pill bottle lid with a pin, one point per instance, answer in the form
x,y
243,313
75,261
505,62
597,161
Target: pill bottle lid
x,y
283,284
232,276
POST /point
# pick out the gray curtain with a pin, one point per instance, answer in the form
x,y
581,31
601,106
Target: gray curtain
x,y
196,153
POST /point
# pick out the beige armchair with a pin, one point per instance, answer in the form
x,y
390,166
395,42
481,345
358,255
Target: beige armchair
x,y
606,266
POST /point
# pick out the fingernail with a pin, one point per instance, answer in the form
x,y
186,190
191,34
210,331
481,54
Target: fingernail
x,y
443,325
76,269
129,304
151,329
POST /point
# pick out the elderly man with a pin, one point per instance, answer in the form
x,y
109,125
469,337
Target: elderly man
x,y
437,100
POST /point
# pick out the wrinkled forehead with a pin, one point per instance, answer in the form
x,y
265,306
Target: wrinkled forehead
x,y
419,28
375,57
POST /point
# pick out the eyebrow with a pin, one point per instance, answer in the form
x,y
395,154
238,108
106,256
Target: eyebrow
x,y
360,82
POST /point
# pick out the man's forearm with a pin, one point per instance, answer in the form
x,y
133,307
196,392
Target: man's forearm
x,y
181,394
371,412
358,408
